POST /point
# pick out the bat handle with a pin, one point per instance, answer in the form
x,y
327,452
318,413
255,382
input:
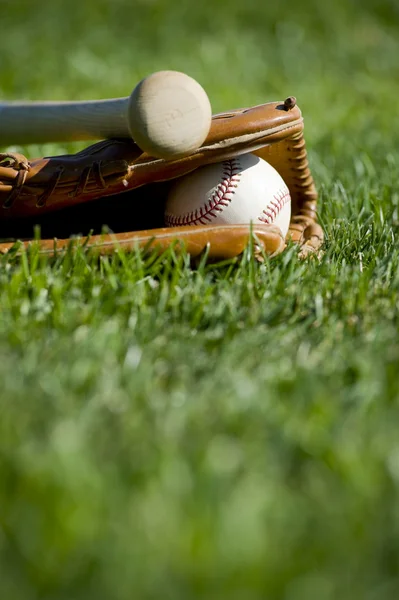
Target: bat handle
x,y
42,122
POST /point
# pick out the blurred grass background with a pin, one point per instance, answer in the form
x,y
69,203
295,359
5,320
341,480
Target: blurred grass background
x,y
228,432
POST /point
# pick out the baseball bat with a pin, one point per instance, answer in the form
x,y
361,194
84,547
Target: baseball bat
x,y
42,122
167,114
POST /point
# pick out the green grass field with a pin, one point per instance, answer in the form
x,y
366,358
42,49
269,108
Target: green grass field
x,y
225,432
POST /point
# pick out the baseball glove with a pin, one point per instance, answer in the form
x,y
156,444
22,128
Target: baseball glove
x,y
114,183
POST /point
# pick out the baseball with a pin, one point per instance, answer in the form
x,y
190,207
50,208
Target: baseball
x,y
241,190
169,114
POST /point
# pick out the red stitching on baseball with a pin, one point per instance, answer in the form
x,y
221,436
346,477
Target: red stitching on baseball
x,y
220,198
271,212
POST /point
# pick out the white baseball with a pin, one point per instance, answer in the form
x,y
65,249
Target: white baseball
x,y
244,189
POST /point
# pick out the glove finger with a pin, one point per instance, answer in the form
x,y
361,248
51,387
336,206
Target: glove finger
x,y
221,241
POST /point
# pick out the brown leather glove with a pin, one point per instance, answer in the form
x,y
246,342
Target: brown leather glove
x,y
118,175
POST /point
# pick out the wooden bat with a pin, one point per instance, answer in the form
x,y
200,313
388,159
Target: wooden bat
x,y
42,122
168,114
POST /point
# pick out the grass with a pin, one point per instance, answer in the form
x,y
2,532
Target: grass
x,y
228,431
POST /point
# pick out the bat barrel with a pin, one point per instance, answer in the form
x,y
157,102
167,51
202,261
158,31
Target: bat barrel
x,y
42,122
